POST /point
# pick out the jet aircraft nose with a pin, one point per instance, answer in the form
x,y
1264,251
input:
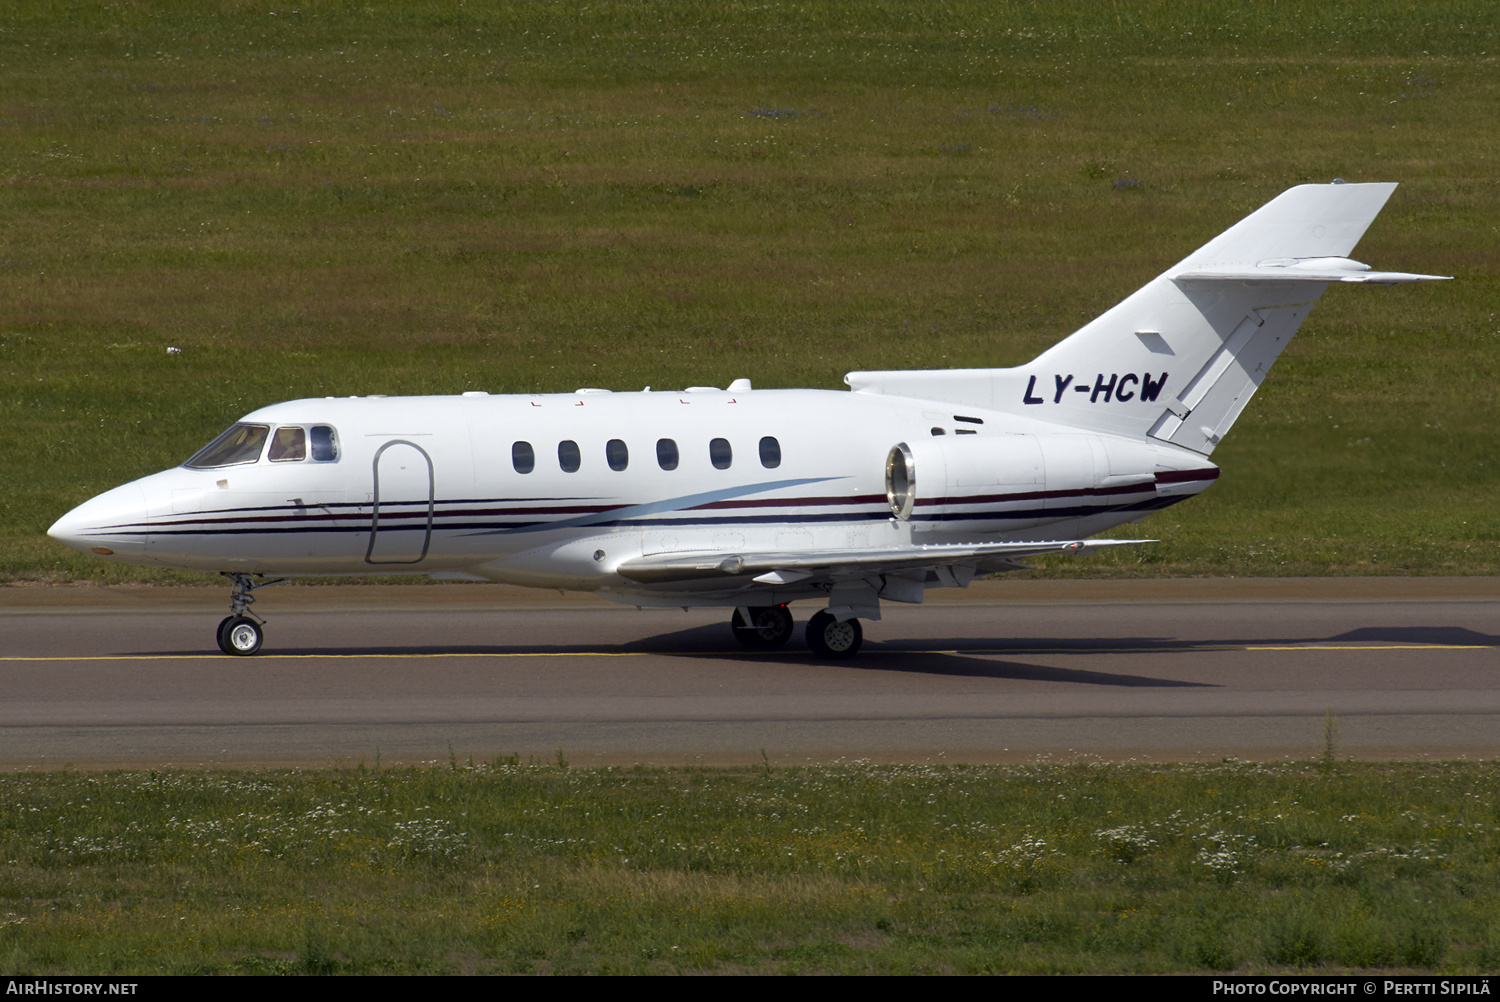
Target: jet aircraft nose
x,y
112,524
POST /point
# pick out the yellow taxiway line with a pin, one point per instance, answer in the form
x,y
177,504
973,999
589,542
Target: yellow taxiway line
x,y
986,652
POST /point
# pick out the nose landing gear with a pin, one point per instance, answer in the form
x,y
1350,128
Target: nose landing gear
x,y
240,634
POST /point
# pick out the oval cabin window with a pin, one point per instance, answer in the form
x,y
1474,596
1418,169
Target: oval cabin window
x,y
666,453
720,454
522,457
770,453
616,454
568,456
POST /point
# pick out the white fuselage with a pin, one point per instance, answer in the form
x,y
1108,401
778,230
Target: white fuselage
x,y
442,485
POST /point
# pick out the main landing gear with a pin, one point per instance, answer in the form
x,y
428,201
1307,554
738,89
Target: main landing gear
x,y
241,633
769,627
834,640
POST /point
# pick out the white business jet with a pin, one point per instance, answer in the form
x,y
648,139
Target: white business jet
x,y
751,499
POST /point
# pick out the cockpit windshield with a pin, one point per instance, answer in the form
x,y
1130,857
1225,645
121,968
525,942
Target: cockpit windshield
x,y
290,443
240,444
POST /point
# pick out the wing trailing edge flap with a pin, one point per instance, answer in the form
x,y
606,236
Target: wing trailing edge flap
x,y
791,568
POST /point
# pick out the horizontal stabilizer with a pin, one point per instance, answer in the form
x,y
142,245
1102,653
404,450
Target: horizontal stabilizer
x,y
1323,269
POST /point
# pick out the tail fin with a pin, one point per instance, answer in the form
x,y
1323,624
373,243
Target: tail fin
x,y
1180,358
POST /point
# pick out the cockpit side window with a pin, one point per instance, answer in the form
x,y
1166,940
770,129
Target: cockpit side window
x,y
325,444
240,444
288,445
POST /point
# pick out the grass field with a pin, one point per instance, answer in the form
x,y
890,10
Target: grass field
x,y
428,198
852,869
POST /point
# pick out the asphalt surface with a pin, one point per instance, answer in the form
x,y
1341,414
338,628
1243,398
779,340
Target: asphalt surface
x,y
1004,671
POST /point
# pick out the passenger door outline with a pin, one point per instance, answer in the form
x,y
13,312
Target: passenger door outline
x,y
398,556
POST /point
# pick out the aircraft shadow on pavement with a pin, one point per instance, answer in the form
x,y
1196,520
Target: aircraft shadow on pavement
x,y
981,657
710,642
713,642
1458,636
715,638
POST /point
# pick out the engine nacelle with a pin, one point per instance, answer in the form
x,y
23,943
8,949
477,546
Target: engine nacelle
x,y
996,483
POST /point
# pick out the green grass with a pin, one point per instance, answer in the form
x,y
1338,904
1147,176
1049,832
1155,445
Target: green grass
x,y
844,869
410,198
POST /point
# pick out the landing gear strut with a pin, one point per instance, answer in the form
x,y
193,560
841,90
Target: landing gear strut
x,y
240,633
770,627
833,640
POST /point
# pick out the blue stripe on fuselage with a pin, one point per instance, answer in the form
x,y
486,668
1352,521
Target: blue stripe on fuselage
x,y
657,507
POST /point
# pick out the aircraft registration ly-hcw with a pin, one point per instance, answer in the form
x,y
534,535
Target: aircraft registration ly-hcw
x,y
751,499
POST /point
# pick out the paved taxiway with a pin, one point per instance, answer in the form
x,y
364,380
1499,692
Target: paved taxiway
x,y
1006,670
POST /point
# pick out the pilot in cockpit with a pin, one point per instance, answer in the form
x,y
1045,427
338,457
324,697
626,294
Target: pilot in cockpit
x,y
289,444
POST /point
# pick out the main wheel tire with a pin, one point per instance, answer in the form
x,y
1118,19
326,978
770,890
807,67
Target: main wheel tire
x,y
240,636
833,640
770,627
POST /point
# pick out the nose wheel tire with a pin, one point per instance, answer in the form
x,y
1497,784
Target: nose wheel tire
x,y
240,636
833,640
770,627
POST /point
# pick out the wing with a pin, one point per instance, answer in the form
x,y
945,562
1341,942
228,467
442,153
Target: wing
x,y
809,566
